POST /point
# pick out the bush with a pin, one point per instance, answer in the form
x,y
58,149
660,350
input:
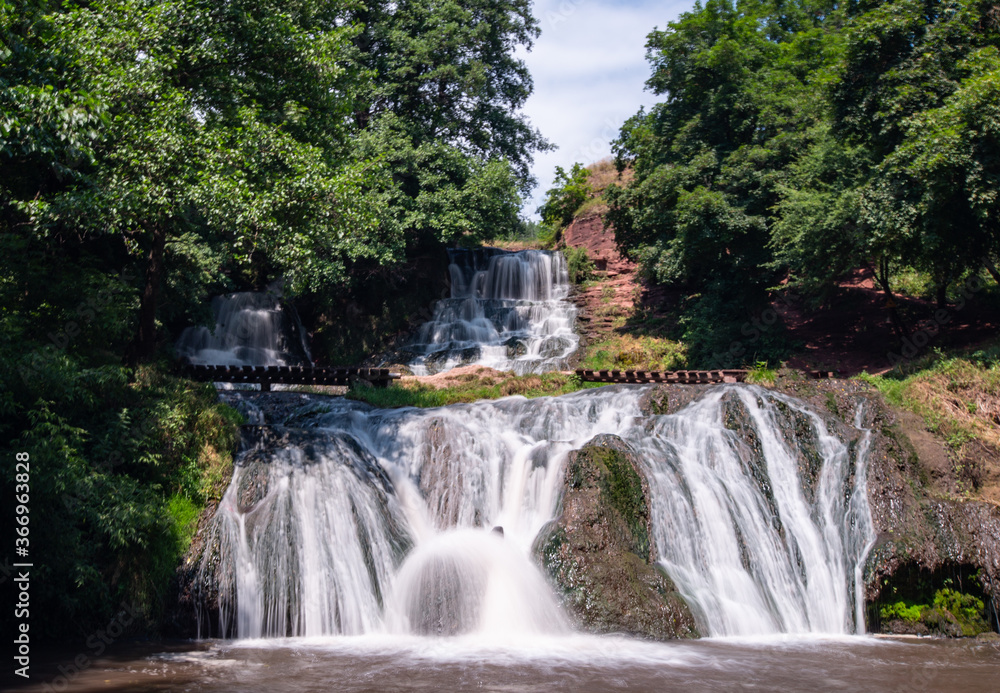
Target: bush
x,y
568,193
118,460
578,264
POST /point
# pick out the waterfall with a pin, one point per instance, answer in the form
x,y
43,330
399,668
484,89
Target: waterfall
x,y
507,310
367,520
760,536
251,329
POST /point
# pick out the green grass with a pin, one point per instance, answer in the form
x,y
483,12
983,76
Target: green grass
x,y
619,351
184,515
761,374
471,390
957,395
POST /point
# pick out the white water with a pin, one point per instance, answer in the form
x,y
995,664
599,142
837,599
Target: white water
x,y
751,548
507,311
748,548
251,329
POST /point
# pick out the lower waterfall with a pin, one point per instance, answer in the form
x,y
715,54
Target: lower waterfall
x,y
361,520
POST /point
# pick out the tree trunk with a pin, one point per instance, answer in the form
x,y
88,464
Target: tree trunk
x,y
144,345
942,295
992,269
882,277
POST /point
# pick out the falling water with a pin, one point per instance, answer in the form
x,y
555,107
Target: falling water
x,y
763,533
507,311
380,521
251,329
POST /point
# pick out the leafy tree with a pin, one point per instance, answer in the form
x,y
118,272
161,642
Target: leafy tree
x,y
449,72
916,90
741,82
223,130
567,194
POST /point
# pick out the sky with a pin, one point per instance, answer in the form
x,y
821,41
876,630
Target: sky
x,y
589,70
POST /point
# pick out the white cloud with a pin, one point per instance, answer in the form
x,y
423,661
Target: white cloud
x,y
589,69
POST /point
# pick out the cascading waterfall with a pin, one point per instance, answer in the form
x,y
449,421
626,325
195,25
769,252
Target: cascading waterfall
x,y
251,329
507,310
380,521
756,540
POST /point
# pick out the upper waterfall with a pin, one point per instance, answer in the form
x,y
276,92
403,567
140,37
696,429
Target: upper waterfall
x,y
380,520
251,329
507,310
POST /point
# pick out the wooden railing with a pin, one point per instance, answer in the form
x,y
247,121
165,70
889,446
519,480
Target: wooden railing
x,y
678,377
287,375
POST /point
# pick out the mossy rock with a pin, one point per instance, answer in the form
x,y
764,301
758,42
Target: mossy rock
x,y
598,552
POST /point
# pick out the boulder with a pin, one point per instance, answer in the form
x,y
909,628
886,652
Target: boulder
x,y
599,555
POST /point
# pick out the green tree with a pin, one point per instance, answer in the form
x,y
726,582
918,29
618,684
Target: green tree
x,y
916,89
224,128
449,72
568,192
742,83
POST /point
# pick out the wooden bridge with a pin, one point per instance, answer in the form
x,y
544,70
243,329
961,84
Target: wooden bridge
x,y
677,377
287,375
381,377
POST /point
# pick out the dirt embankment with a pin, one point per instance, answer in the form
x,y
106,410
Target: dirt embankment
x,y
618,288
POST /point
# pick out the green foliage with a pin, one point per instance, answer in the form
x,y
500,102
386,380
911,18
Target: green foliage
x,y
578,264
804,139
449,72
760,374
112,475
548,236
901,610
952,612
184,514
568,192
442,195
965,607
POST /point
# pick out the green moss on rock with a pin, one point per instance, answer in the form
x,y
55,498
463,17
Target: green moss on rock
x,y
598,552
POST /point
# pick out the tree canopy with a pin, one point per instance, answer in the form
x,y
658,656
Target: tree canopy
x,y
156,152
799,139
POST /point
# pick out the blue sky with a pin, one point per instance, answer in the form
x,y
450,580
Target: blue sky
x,y
589,68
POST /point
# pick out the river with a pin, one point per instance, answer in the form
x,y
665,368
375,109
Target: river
x,y
577,663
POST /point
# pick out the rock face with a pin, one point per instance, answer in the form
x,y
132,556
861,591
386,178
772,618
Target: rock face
x,y
927,541
598,551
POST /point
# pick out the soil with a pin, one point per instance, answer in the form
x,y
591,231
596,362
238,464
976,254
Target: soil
x,y
849,333
456,376
619,286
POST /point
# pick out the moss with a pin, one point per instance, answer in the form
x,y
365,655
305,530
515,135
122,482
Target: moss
x,y
902,610
967,609
622,488
831,404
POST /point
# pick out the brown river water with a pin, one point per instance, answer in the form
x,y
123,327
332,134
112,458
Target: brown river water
x,y
569,663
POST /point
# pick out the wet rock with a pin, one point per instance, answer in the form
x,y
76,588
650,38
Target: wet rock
x,y
598,552
925,540
669,399
921,534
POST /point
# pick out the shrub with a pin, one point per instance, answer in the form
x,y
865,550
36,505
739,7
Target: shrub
x,y
578,264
